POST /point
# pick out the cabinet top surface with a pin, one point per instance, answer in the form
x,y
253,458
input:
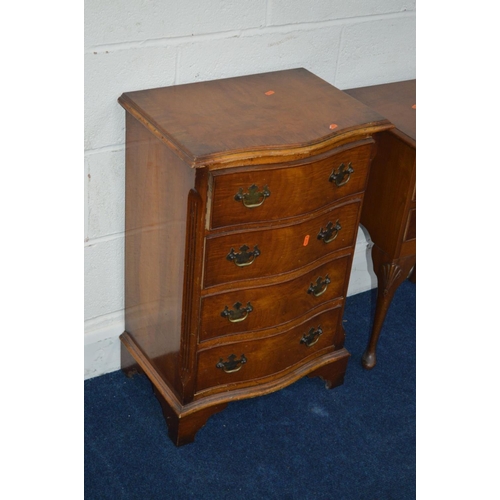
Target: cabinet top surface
x,y
396,101
250,114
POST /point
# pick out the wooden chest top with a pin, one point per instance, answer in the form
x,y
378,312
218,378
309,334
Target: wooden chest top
x,y
248,116
397,102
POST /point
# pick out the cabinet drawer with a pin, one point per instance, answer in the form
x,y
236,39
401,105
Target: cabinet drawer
x,y
280,193
260,253
411,225
253,359
257,308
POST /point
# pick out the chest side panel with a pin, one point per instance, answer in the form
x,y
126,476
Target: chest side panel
x,y
157,189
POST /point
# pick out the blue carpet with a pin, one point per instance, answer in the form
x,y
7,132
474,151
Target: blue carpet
x,y
354,442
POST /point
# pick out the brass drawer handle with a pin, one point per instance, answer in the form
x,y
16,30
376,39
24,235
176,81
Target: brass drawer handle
x,y
320,287
254,198
244,257
309,339
238,313
342,175
232,364
330,233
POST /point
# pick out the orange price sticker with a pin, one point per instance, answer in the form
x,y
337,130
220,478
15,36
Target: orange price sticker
x,y
306,240
269,92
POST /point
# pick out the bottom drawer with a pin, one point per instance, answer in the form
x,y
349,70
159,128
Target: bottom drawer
x,y
242,362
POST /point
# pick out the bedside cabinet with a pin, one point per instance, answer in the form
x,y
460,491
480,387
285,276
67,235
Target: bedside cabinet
x,y
243,199
390,206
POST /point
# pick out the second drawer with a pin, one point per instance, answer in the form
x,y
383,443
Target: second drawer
x,y
267,252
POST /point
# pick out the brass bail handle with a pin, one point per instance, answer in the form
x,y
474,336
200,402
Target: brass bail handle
x,y
238,313
309,339
232,364
330,233
254,198
244,257
341,175
320,287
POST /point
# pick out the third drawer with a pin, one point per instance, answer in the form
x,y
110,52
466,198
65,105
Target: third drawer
x,y
257,308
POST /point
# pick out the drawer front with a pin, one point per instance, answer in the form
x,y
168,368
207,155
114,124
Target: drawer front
x,y
260,253
254,359
280,193
411,225
257,308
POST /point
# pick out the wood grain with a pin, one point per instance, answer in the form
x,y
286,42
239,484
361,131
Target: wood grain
x,y
157,185
395,101
294,189
275,304
209,121
281,249
268,356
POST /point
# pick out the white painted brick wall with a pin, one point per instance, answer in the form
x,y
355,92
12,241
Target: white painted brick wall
x,y
283,48
119,21
139,44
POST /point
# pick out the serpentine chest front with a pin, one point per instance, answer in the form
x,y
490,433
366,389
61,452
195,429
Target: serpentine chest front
x,y
243,199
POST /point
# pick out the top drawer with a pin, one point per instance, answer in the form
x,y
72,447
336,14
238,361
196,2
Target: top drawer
x,y
272,193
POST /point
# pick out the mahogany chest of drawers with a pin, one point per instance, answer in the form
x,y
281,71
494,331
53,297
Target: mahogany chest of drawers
x,y
243,199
